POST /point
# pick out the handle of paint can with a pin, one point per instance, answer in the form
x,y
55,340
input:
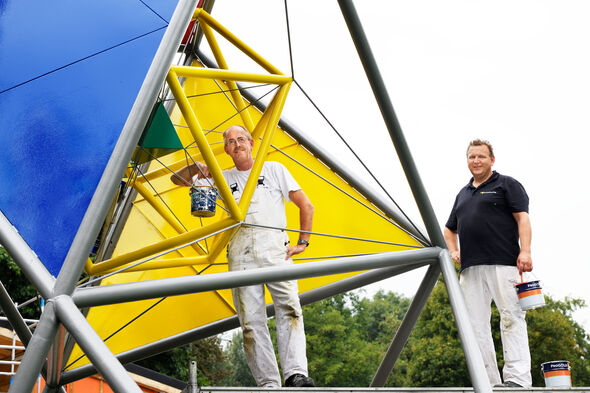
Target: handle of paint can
x,y
530,274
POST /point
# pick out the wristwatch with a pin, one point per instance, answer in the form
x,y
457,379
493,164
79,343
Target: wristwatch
x,y
301,241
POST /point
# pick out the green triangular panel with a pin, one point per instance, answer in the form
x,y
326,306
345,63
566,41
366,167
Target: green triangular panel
x,y
158,139
160,132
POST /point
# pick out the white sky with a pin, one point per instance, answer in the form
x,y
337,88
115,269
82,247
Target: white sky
x,y
514,72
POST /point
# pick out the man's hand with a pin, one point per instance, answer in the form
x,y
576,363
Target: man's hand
x,y
293,250
524,262
203,171
456,257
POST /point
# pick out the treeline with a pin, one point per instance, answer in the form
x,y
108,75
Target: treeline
x,y
347,336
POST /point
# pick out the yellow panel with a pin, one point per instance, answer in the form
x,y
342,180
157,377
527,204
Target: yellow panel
x,y
336,213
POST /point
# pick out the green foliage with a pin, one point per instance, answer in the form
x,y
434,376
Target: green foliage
x,y
174,363
437,358
554,335
347,336
212,364
17,285
240,373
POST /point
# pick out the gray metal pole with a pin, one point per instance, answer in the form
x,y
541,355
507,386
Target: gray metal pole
x,y
405,328
14,317
17,322
101,201
25,258
34,357
95,296
399,141
96,350
226,324
192,380
475,364
366,56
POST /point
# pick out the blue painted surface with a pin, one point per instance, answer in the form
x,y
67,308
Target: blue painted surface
x,y
68,81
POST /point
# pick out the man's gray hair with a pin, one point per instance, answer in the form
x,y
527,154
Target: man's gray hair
x,y
244,130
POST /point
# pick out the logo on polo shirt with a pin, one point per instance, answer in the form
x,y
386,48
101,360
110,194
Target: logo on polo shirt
x,y
488,192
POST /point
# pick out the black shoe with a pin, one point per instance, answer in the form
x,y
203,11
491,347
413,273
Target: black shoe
x,y
510,384
299,381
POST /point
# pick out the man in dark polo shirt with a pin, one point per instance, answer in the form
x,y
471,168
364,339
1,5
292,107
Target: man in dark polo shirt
x,y
489,217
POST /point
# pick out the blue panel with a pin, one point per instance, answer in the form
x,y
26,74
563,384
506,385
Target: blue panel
x,y
58,131
58,33
162,8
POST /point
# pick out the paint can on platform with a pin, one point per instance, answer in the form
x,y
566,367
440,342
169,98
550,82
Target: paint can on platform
x,y
557,374
530,295
203,201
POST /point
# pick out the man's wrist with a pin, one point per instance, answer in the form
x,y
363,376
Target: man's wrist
x,y
304,242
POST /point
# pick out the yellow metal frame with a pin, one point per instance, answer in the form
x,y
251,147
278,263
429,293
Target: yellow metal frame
x,y
265,129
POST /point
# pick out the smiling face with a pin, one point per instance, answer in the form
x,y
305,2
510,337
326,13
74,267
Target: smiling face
x,y
238,145
480,162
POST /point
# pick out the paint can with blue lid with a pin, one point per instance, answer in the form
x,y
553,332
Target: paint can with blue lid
x,y
557,374
530,295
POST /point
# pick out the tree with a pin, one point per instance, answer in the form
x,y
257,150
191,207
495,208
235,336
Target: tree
x,y
437,358
18,286
240,373
213,366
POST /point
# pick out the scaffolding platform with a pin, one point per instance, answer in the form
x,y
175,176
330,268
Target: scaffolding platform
x,y
391,390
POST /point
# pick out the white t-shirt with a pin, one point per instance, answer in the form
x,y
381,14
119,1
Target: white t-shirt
x,y
267,206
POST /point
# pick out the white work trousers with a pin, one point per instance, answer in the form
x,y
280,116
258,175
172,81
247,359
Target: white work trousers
x,y
480,284
253,248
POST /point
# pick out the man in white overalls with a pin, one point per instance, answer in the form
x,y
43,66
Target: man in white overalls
x,y
253,247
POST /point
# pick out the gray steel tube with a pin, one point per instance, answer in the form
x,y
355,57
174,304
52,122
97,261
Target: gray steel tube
x,y
101,201
405,328
397,136
93,346
34,357
475,364
25,258
14,317
232,322
117,293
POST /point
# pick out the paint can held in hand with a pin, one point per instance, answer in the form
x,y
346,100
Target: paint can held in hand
x,y
203,201
530,295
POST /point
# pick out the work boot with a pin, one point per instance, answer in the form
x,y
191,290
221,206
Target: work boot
x,y
299,381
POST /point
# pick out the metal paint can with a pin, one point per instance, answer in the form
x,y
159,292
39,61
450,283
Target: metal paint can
x,y
530,295
557,374
203,201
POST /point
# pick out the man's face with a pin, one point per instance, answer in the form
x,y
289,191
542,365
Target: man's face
x,y
238,146
479,161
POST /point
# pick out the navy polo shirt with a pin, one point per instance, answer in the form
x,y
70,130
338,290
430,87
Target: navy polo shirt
x,y
482,217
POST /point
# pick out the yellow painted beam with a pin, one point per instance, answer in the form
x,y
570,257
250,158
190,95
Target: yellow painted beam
x,y
164,245
276,109
198,72
208,156
163,211
233,87
205,18
165,264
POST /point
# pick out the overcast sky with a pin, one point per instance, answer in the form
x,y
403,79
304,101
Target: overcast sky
x,y
513,72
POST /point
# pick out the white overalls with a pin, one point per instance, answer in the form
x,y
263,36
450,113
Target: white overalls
x,y
480,284
251,248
